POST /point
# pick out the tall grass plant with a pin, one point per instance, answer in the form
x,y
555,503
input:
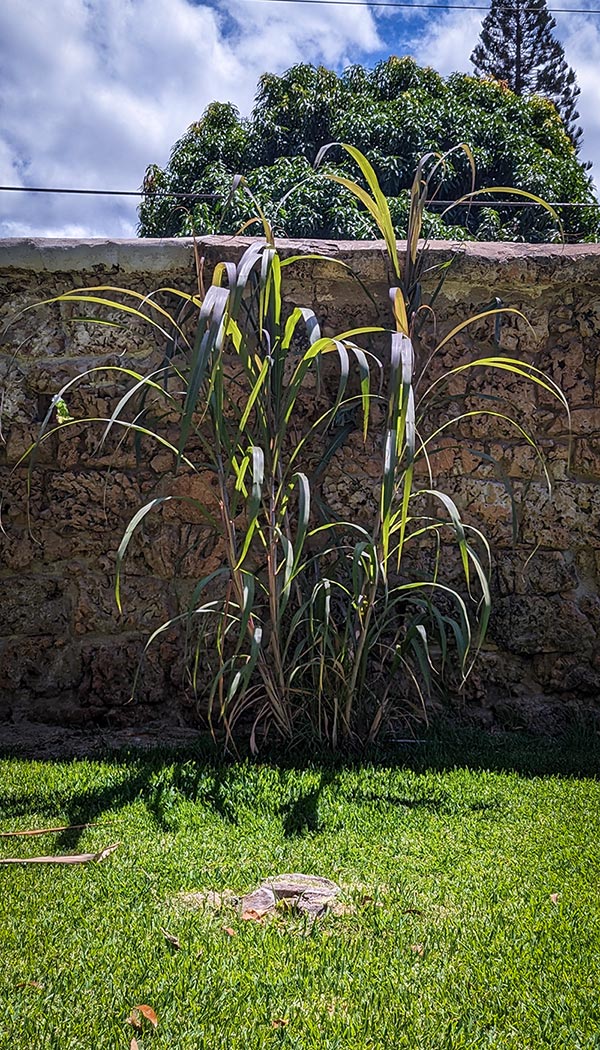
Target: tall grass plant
x,y
313,626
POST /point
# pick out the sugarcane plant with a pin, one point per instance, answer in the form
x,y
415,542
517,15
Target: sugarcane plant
x,y
313,626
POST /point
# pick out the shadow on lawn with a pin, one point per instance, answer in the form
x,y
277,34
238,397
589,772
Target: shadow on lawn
x,y
163,778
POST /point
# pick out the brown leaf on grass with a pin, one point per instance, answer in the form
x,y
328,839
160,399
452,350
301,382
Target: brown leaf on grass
x,y
171,938
133,1044
251,915
229,931
147,1012
139,1011
106,852
30,984
69,858
51,831
555,897
412,911
279,1022
418,949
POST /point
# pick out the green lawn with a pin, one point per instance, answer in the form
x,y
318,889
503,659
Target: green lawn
x,y
473,903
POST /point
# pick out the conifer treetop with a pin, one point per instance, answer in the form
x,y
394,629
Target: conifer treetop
x,y
517,46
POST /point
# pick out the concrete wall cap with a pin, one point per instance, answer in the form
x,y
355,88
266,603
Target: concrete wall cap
x,y
148,255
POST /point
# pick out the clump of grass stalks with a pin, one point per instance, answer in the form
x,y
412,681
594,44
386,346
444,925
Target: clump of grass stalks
x,y
313,626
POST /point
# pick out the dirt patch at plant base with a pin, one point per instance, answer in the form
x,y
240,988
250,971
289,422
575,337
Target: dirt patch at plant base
x,y
40,741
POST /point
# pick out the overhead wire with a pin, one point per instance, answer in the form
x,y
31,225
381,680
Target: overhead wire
x,y
190,195
422,4
108,193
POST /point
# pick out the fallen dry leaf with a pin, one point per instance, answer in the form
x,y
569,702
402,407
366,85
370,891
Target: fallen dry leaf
x,y
106,852
51,831
170,937
418,949
251,915
148,1013
139,1011
229,931
279,1022
133,1044
555,897
30,984
412,911
69,858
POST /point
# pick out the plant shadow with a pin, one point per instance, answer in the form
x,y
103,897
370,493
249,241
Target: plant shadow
x,y
162,778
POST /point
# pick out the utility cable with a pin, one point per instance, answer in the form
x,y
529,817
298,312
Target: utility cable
x,y
498,203
216,196
437,7
109,193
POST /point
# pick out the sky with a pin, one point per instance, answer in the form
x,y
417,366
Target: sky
x,y
92,91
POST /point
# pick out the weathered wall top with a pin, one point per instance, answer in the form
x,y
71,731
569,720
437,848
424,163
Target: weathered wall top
x,y
147,255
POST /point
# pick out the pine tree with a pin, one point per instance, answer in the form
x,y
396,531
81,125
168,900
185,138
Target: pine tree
x,y
517,46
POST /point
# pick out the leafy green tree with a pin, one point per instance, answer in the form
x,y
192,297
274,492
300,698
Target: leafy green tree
x,y
517,45
395,114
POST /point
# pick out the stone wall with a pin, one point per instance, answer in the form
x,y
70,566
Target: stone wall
x,y
65,653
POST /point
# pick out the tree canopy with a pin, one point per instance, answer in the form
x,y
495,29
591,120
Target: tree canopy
x,y
396,113
517,45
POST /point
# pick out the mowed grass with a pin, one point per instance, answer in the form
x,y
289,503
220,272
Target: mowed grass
x,y
473,903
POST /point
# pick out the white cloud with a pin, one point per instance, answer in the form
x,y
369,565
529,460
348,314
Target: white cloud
x,y
334,35
446,43
581,41
95,90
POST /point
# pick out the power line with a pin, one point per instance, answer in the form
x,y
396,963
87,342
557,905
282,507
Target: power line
x,y
498,203
216,196
109,193
436,7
